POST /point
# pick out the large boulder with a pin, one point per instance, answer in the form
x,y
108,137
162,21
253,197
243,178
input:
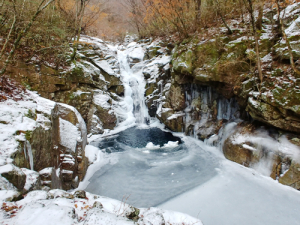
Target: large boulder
x,y
58,141
14,175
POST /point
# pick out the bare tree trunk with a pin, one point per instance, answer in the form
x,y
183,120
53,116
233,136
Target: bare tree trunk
x,y
23,33
198,12
222,18
242,11
79,21
260,15
286,40
256,37
12,28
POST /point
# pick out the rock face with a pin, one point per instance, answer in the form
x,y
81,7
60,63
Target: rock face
x,y
292,176
272,153
223,64
59,146
96,68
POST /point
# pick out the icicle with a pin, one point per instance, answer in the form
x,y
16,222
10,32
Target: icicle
x,y
30,156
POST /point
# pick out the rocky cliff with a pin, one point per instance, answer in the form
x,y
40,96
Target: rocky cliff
x,y
44,136
213,79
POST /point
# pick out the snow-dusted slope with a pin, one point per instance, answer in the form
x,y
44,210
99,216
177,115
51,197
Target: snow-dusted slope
x,y
60,207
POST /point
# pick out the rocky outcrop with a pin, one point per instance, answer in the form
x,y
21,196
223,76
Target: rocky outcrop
x,y
291,177
277,117
96,68
224,64
273,153
57,143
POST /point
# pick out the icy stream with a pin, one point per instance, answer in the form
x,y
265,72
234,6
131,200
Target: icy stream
x,y
146,166
150,167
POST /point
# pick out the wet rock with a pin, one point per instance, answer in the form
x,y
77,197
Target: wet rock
x,y
237,153
108,119
152,110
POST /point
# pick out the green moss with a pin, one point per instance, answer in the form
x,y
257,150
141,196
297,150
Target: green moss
x,y
183,63
77,71
30,114
72,96
294,38
28,135
237,50
277,72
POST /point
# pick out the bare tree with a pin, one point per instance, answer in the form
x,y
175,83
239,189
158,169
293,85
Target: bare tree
x,y
136,11
12,28
250,8
43,5
219,11
80,7
286,39
198,12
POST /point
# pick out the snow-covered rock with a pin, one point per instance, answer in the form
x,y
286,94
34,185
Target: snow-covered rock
x,y
60,207
37,133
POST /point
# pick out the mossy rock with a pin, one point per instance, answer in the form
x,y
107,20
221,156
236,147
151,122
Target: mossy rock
x,y
282,52
152,51
207,53
236,50
274,116
183,63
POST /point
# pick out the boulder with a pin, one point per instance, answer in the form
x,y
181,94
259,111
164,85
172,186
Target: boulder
x,y
14,175
292,176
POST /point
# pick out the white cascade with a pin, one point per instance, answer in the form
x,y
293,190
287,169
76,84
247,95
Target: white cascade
x,y
132,110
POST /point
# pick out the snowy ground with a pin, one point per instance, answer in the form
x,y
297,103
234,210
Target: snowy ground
x,y
239,195
60,207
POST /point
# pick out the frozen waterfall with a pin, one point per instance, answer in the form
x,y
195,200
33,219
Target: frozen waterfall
x,y
132,110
